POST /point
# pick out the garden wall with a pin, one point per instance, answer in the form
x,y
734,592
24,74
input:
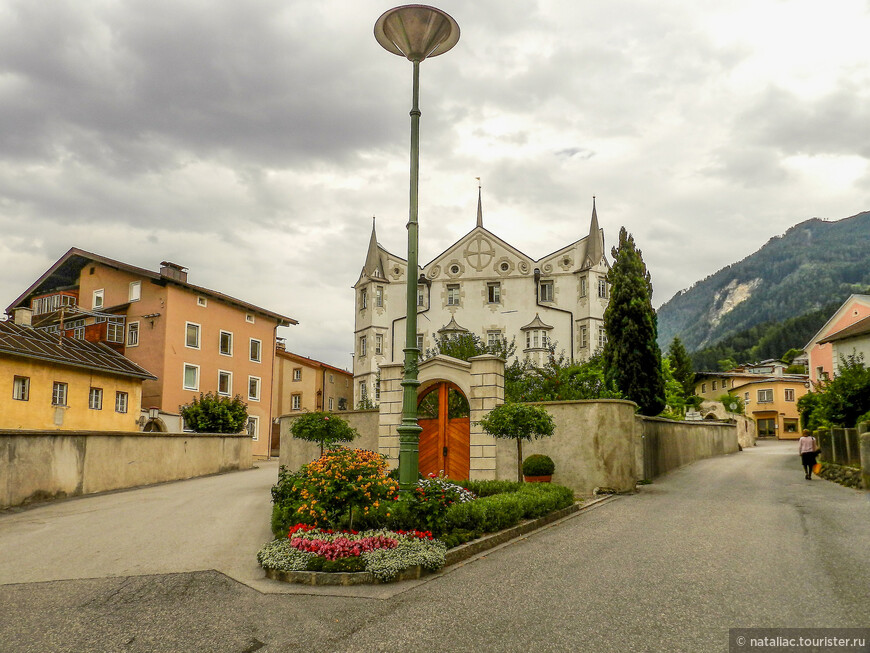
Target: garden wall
x,y
295,453
847,447
666,444
597,443
42,465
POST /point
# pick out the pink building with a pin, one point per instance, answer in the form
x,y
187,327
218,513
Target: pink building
x,y
820,350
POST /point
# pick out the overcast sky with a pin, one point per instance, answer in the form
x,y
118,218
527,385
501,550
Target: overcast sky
x,y
253,141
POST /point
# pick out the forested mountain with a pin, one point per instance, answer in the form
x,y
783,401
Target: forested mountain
x,y
763,341
815,264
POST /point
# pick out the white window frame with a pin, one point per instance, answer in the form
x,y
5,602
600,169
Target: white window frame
x,y
362,346
297,374
201,301
602,287
259,382
494,337
252,426
379,344
420,297
583,286
259,357
198,344
547,291
133,328
249,318
59,393
95,399
584,337
453,294
122,401
493,292
331,404
765,396
99,294
419,342
296,402
112,329
379,296
789,394
363,298
229,376
135,291
602,337
363,390
21,388
184,369
221,343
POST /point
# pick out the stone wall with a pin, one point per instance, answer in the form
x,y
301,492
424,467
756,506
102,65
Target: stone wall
x,y
295,453
668,444
42,465
596,444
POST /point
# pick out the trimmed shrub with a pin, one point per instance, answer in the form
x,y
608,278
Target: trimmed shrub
x,y
538,465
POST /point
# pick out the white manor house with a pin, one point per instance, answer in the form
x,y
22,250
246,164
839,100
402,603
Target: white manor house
x,y
486,286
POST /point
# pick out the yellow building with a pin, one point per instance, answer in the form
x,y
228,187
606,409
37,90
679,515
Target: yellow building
x,y
53,382
769,395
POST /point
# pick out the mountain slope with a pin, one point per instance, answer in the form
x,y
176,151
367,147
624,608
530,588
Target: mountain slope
x,y
812,265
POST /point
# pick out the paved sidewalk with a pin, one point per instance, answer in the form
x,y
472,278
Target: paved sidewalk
x,y
215,522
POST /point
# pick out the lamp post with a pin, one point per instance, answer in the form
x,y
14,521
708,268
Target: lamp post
x,y
414,32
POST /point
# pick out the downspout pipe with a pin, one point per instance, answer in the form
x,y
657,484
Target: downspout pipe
x,y
554,308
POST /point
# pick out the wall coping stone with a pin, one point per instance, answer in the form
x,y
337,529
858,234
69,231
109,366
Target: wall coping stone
x,y
114,434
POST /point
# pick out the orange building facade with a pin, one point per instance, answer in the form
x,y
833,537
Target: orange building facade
x,y
194,340
305,384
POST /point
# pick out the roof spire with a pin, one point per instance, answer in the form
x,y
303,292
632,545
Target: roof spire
x,y
373,266
479,205
595,241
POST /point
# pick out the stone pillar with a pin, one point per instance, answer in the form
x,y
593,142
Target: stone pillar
x,y
487,392
838,441
853,455
865,458
390,416
823,437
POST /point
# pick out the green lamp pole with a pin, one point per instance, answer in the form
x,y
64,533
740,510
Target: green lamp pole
x,y
414,32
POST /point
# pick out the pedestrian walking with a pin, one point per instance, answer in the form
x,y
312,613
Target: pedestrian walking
x,y
808,449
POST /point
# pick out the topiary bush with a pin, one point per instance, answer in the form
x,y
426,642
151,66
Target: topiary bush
x,y
538,465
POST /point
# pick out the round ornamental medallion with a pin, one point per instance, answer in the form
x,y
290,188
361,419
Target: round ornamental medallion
x,y
524,267
548,267
479,253
435,271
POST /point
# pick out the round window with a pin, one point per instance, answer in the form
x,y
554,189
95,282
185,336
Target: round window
x,y
505,267
454,269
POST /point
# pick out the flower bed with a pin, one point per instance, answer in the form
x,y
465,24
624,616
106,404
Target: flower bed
x,y
384,554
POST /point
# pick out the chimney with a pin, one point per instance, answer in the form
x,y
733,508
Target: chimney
x,y
23,316
173,271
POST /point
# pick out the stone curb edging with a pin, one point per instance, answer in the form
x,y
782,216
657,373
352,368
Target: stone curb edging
x,y
454,555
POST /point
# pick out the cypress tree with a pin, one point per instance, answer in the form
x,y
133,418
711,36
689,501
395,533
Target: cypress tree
x,y
632,359
681,365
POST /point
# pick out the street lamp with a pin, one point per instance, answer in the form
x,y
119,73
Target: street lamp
x,y
415,32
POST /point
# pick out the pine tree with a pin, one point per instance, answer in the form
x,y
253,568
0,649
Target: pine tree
x,y
681,365
632,359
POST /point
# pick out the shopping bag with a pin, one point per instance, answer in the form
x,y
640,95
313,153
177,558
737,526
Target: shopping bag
x,y
817,468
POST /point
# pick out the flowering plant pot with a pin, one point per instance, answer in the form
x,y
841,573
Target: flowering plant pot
x,y
538,479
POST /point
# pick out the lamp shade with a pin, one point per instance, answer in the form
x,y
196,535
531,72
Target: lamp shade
x,y
416,31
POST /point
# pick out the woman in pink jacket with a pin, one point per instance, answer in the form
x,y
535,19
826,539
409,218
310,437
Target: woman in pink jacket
x,y
808,450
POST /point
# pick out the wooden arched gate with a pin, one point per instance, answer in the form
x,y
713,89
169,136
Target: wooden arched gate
x,y
445,441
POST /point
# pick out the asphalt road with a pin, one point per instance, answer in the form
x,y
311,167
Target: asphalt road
x,y
735,542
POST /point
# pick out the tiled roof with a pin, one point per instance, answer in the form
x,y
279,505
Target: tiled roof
x,y
66,272
27,342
